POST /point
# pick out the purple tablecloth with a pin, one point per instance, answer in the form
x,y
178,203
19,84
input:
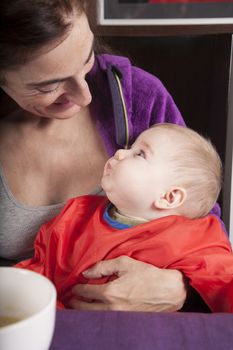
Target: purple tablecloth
x,y
142,331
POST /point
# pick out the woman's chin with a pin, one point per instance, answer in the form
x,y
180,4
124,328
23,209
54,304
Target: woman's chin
x,y
59,112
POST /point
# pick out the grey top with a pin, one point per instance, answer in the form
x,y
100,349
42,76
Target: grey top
x,y
19,223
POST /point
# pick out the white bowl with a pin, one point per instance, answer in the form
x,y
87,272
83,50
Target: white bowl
x,y
31,298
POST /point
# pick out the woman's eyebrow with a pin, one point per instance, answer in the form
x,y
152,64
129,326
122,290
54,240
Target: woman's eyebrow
x,y
47,82
60,80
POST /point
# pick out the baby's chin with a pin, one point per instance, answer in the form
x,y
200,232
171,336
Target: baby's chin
x,y
102,184
106,184
108,193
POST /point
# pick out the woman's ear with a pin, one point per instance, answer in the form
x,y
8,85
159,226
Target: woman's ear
x,y
171,199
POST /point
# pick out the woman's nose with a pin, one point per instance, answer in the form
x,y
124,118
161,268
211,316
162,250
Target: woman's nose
x,y
80,92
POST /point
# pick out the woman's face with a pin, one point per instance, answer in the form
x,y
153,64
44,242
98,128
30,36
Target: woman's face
x,y
53,84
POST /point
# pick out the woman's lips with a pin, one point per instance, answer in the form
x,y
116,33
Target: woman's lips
x,y
63,105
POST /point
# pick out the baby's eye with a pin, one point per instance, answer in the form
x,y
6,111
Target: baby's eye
x,y
140,153
48,88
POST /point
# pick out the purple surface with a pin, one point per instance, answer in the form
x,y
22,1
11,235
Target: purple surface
x,y
144,331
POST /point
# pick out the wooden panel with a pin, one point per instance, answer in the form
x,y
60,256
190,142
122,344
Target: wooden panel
x,y
162,30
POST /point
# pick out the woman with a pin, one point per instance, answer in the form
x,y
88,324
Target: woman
x,y
65,110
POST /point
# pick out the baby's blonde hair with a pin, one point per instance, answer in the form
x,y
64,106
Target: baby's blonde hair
x,y
197,168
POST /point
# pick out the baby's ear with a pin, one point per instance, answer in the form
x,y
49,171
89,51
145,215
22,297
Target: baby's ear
x,y
171,199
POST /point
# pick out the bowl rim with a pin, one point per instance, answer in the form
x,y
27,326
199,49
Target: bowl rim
x,y
52,300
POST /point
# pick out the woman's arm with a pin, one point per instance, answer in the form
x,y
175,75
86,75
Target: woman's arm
x,y
139,287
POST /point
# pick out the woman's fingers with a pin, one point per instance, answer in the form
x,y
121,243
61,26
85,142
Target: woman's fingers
x,y
139,287
111,267
98,306
90,291
85,306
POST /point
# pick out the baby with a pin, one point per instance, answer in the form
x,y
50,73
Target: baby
x,y
158,196
169,170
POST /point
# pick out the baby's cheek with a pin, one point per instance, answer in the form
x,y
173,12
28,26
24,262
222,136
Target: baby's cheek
x,y
130,184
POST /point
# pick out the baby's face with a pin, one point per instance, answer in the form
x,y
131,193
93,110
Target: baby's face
x,y
134,178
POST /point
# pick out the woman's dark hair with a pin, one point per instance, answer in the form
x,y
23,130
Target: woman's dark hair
x,y
27,25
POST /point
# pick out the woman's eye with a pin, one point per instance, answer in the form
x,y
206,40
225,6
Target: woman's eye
x,y
91,57
49,88
89,64
141,153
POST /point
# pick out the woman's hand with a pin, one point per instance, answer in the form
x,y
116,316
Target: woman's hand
x,y
139,287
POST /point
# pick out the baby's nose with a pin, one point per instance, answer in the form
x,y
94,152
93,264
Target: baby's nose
x,y
120,154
